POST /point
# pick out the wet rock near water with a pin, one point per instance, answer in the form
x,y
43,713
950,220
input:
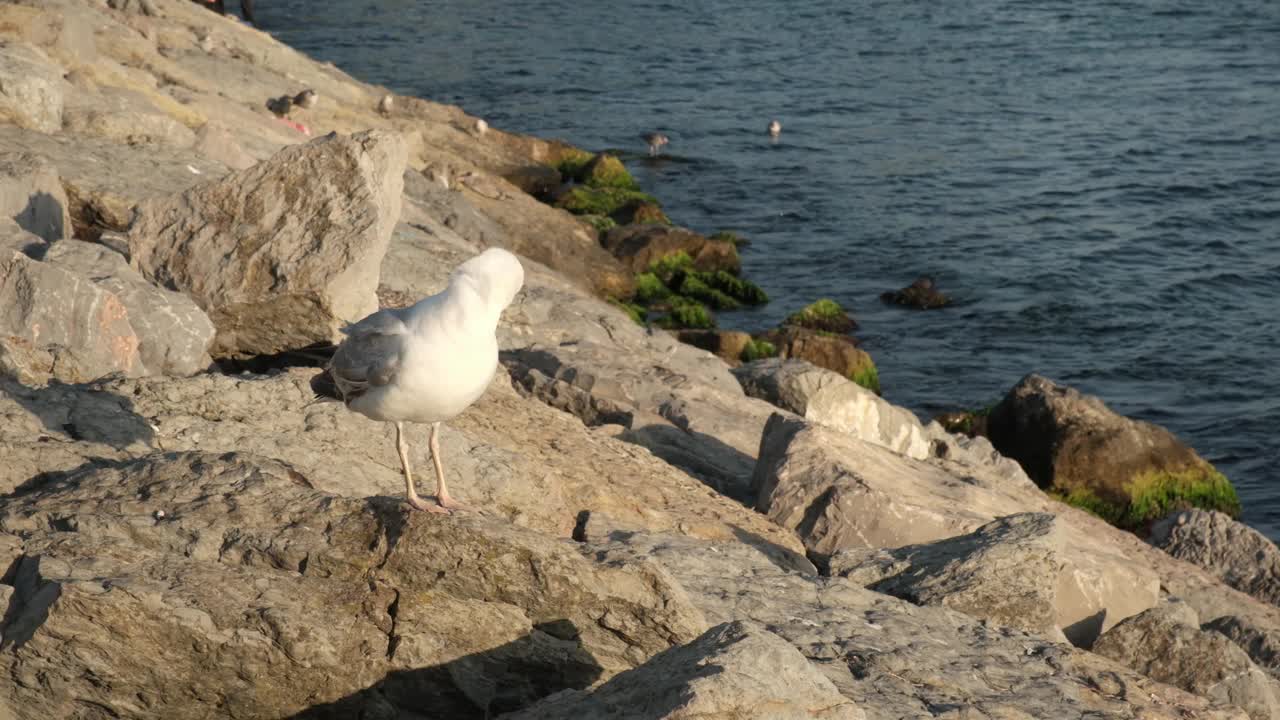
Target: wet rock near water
x,y
1128,471
922,294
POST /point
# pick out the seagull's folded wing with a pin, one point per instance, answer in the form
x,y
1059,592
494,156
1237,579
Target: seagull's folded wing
x,y
370,356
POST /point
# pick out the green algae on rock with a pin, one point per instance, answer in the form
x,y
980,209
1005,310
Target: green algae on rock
x,y
824,314
634,311
606,171
586,200
686,313
757,350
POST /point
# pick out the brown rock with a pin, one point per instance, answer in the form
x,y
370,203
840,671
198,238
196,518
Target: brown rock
x,y
724,344
838,353
32,194
638,246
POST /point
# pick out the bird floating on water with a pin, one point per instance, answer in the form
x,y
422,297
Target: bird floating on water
x,y
428,362
655,141
306,99
775,129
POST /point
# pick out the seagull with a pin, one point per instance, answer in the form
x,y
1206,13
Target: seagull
x,y
280,106
306,99
428,362
385,104
481,127
775,129
655,141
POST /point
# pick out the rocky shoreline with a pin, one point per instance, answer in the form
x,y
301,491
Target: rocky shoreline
x,y
676,521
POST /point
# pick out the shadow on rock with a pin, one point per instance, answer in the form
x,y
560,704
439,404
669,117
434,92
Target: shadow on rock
x,y
87,412
477,686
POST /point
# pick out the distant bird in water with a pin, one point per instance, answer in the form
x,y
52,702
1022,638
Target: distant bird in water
x,y
775,129
481,127
385,104
428,362
306,99
655,141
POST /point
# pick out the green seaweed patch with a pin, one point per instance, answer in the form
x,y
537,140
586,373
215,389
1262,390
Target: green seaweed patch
x,y
758,349
650,288
867,376
693,286
647,213
744,291
823,315
686,313
668,267
607,171
572,162
602,223
1154,494
583,200
636,312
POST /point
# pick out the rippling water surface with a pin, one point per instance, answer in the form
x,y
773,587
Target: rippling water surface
x,y
1097,182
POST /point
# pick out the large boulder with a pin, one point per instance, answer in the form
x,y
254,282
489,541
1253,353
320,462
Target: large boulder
x,y
640,245
1243,557
828,398
1260,640
838,492
123,116
1128,471
56,324
1165,643
282,254
31,94
892,658
734,670
169,585
173,333
32,195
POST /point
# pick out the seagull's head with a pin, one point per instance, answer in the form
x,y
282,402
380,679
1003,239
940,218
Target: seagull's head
x,y
495,274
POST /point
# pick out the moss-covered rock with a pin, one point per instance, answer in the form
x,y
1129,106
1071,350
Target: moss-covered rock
x,y
648,213
744,291
868,376
965,422
729,236
606,171
839,353
692,285
824,314
728,345
757,350
638,246
922,294
686,313
585,200
669,268
650,288
572,161
602,223
1128,471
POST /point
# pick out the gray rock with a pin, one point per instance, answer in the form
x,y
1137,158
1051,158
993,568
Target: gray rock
x,y
123,116
1006,571
1241,556
162,586
1260,641
830,399
284,253
898,660
216,143
838,493
32,195
58,325
15,239
1161,644
173,333
734,670
31,93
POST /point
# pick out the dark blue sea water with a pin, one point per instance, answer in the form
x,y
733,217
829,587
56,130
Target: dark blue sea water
x,y
1097,182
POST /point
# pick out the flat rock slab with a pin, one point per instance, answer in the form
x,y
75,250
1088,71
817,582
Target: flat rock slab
x,y
282,254
734,670
164,585
32,194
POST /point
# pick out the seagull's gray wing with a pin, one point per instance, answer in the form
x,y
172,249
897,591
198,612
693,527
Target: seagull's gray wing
x,y
370,356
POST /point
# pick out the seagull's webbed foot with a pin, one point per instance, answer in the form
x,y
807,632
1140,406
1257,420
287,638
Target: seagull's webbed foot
x,y
450,505
418,503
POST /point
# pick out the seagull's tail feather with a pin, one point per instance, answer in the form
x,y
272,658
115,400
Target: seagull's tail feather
x,y
325,388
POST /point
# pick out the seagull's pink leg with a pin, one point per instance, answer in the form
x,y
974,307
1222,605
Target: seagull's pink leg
x,y
411,495
442,492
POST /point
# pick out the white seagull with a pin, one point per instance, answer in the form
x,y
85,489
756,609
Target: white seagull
x,y
428,362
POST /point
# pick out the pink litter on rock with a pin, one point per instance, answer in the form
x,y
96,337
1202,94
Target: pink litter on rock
x,y
296,126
